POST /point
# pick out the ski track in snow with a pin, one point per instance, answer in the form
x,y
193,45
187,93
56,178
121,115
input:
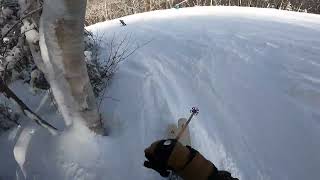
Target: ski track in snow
x,y
253,73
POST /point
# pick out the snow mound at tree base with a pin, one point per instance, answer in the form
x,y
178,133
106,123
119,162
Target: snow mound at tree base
x,y
253,73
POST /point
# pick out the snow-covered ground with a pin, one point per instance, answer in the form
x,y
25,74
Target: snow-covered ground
x,y
253,73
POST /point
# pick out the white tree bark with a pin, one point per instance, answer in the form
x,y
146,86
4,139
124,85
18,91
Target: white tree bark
x,y
62,45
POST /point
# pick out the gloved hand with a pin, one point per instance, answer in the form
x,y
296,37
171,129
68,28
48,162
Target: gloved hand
x,y
166,155
170,155
158,155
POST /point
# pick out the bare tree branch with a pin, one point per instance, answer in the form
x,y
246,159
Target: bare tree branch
x,y
20,21
26,110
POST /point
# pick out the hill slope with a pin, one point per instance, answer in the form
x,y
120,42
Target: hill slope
x,y
254,73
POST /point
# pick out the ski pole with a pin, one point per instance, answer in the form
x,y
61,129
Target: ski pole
x,y
194,111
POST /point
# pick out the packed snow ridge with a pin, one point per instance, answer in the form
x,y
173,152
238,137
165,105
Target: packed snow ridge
x,y
253,73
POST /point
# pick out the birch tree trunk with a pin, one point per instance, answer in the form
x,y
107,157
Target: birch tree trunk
x,y
62,45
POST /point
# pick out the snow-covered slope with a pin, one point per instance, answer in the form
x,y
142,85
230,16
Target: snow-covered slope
x,y
253,73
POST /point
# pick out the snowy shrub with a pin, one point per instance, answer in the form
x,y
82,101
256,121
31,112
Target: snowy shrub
x,y
102,70
8,118
92,45
16,61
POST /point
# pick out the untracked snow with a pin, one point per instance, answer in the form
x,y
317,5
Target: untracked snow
x,y
253,73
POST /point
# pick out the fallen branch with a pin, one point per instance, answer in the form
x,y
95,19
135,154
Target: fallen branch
x,y
25,109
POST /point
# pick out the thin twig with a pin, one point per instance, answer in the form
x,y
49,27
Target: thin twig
x,y
114,99
116,58
21,19
5,73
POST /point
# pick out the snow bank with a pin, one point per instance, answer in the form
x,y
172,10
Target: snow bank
x,y
253,73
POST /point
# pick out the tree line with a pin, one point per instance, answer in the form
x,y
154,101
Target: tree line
x,y
101,10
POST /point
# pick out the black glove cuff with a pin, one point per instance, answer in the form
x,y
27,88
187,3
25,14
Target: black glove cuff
x,y
164,150
223,175
214,175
